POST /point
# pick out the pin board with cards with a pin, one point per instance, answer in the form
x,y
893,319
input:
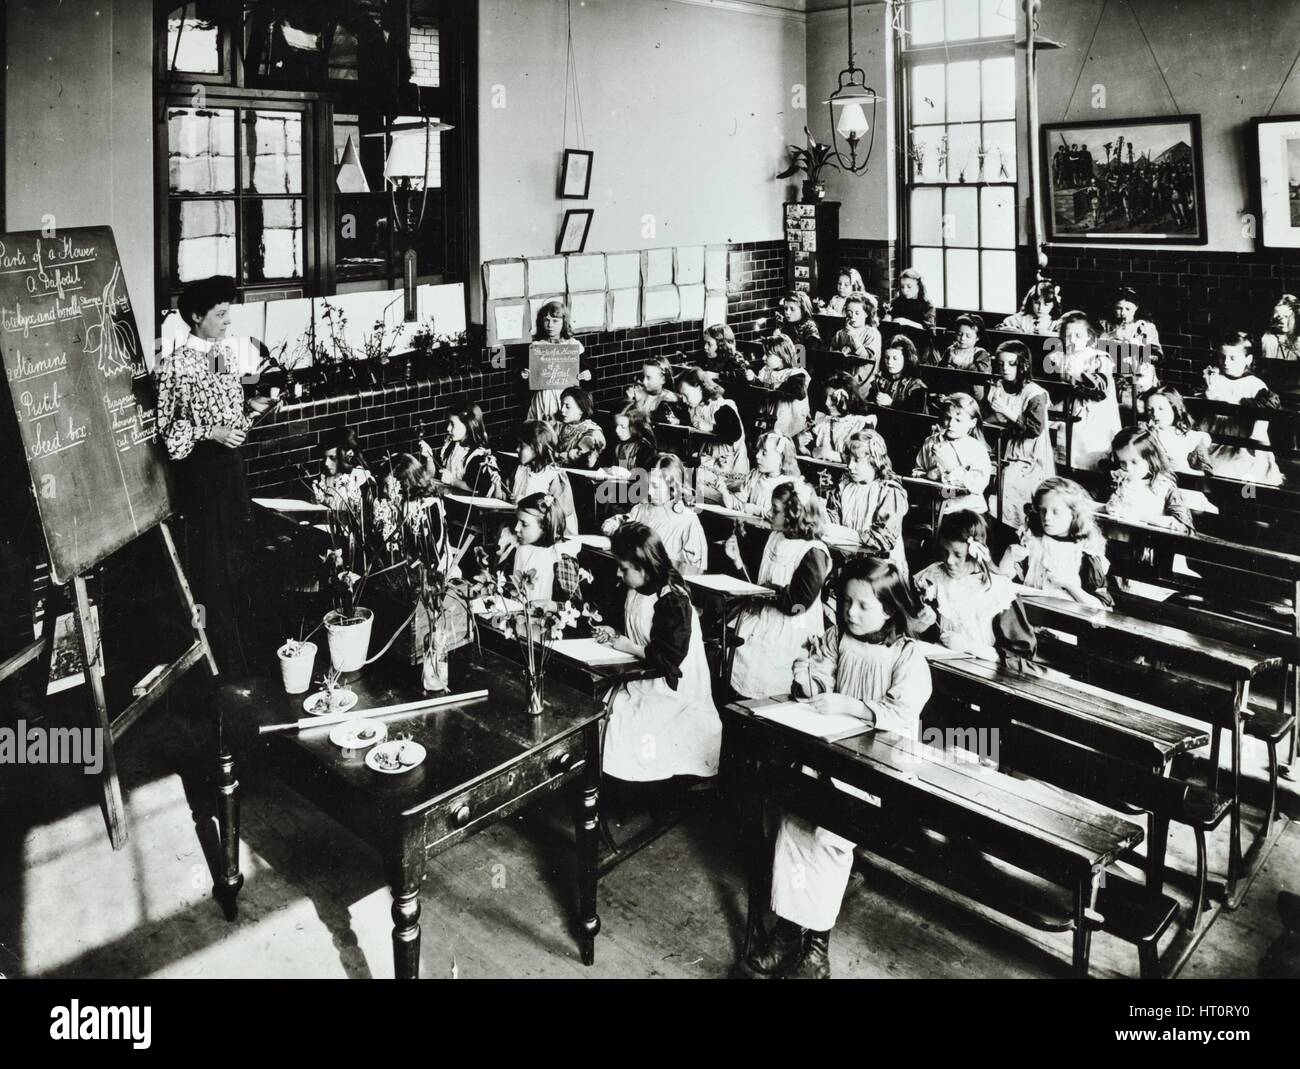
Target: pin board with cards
x,y
607,291
812,243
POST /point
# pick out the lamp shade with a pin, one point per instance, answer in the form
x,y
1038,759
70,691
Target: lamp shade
x,y
852,124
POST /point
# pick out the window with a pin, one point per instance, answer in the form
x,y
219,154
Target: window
x,y
285,148
959,201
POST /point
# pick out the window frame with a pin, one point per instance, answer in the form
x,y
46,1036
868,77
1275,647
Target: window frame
x,y
453,100
999,47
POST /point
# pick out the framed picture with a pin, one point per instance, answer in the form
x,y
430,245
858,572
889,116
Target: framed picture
x,y
1130,181
573,232
575,175
1275,162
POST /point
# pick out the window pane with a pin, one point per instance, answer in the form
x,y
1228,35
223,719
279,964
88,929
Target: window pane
x,y
927,144
963,91
960,217
998,217
193,44
999,100
998,282
930,263
962,281
201,150
926,217
1000,152
998,17
927,93
272,152
963,153
272,240
202,239
424,45
963,20
925,20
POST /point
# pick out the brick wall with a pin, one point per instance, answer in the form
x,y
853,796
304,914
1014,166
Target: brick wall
x,y
1189,295
875,261
424,55
388,419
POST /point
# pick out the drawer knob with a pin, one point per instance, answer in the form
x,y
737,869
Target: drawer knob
x,y
560,763
461,817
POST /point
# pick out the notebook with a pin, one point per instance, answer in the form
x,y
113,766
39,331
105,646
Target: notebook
x,y
728,584
289,504
589,651
804,718
482,502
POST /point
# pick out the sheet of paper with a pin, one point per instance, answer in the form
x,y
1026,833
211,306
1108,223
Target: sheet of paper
x,y
589,651
505,278
624,309
715,309
288,327
289,504
658,267
509,321
586,272
715,268
728,584
482,502
690,265
803,718
623,270
546,275
594,541
445,305
587,310
662,305
490,605
692,301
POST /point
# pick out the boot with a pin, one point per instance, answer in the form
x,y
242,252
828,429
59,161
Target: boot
x,y
783,942
813,962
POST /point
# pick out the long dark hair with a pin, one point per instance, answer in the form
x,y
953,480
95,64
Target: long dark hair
x,y
639,545
541,439
349,456
639,427
550,514
911,361
892,591
476,435
1024,364
566,331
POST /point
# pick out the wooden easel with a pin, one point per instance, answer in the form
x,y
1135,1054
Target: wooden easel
x,y
91,654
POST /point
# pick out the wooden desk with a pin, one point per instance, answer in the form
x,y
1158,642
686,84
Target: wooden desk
x,y
1066,840
485,760
595,681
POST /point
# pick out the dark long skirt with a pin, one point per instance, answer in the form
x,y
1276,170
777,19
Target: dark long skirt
x,y
213,494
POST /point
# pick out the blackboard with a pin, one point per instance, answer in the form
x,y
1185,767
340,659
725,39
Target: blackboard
x,y
77,379
553,365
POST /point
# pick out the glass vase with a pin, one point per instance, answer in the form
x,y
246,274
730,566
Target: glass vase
x,y
434,674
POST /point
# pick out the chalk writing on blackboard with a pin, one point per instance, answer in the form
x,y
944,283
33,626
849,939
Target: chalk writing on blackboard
x,y
553,365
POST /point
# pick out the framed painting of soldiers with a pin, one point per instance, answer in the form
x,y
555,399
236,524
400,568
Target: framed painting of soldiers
x,y
1131,181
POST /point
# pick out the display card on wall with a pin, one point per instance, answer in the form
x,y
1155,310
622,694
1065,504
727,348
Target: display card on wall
x,y
624,309
587,311
504,278
689,269
507,321
546,275
715,309
657,267
586,273
623,270
661,305
715,268
692,301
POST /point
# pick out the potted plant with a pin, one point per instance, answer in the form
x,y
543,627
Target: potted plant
x,y
811,160
297,658
347,566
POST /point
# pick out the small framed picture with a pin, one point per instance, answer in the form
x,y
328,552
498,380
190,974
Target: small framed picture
x,y
573,232
1275,160
575,175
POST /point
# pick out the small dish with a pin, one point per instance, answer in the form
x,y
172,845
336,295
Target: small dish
x,y
395,756
358,734
319,704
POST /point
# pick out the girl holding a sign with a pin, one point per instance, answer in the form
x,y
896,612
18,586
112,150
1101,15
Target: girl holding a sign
x,y
553,326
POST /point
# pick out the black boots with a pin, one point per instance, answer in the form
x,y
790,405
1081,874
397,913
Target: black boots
x,y
784,942
793,953
814,961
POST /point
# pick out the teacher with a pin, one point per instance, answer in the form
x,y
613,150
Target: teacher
x,y
204,419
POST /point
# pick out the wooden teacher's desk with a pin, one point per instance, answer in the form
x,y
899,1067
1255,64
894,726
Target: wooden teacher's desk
x,y
485,760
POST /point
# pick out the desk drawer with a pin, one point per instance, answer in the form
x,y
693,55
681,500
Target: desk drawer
x,y
562,761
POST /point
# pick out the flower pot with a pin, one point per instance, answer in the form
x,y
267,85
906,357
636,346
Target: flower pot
x,y
349,638
813,192
295,669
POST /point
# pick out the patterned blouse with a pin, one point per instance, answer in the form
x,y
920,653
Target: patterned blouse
x,y
198,391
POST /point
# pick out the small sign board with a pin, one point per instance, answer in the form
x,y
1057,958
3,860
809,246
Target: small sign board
x,y
553,365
